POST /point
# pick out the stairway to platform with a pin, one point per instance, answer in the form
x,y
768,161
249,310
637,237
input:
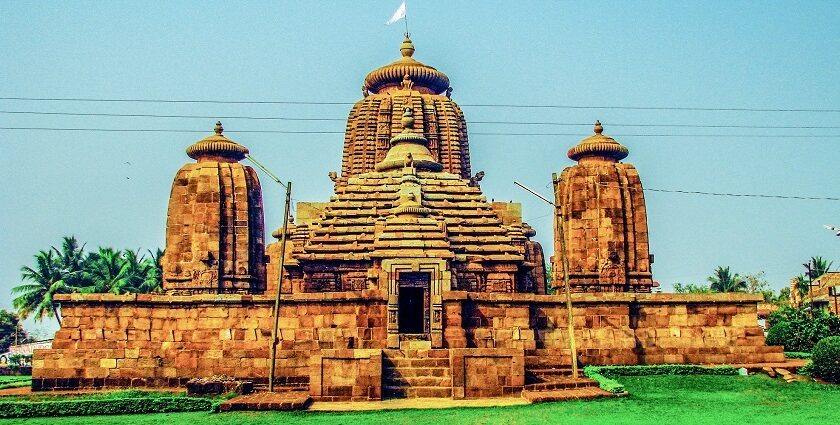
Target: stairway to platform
x,y
413,373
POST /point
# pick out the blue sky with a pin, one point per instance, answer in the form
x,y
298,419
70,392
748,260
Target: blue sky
x,y
112,188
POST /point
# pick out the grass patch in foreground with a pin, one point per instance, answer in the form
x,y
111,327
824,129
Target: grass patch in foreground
x,y
104,395
15,381
14,378
673,400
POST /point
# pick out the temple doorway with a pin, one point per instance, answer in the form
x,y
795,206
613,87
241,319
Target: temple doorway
x,y
414,303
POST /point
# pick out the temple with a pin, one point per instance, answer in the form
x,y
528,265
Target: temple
x,y
407,282
601,203
215,226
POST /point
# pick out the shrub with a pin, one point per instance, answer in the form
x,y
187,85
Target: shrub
x,y
607,384
779,334
666,369
604,374
799,329
826,359
116,406
795,354
806,370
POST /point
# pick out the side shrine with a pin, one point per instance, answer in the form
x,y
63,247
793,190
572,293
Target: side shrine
x,y
406,283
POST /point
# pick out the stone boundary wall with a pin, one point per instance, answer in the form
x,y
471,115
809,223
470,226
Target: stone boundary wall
x,y
160,340
157,340
614,328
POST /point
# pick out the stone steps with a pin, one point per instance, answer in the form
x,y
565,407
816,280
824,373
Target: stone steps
x,y
285,400
416,392
416,373
560,395
561,384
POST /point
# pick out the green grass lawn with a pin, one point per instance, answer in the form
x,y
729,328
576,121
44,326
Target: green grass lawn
x,y
15,381
660,400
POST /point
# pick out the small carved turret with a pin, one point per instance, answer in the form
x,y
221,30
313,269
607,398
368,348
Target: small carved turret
x,y
605,219
214,240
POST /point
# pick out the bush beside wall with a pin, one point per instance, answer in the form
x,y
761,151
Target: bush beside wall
x,y
604,374
826,359
117,406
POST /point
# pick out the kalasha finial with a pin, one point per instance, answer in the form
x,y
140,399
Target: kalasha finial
x,y
598,127
407,120
219,129
407,47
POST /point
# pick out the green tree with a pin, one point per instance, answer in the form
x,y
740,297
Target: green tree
x,y
72,262
44,280
120,272
155,257
691,288
10,331
817,266
800,284
757,284
724,281
107,271
783,299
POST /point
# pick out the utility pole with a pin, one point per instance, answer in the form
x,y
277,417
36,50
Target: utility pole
x,y
558,223
276,312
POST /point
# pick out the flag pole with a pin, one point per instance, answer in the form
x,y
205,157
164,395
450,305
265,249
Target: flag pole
x,y
405,18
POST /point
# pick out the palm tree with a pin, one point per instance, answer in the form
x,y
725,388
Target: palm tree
x,y
142,273
107,271
45,280
157,271
817,266
73,262
724,281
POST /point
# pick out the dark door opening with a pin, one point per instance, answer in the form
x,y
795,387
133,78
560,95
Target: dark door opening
x,y
411,310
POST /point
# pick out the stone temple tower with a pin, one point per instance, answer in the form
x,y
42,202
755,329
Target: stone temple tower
x,y
603,211
214,227
375,119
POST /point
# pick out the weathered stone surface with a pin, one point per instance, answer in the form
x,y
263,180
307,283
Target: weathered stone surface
x,y
602,208
215,227
610,329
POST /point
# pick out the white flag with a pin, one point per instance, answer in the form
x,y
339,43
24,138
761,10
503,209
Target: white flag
x,y
399,14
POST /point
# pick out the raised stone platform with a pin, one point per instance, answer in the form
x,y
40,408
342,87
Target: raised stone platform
x,y
334,343
563,395
286,400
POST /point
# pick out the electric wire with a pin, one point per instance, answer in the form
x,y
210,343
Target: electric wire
x,y
276,118
477,105
152,130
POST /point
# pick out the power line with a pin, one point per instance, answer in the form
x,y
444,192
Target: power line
x,y
223,117
148,130
737,195
276,118
477,105
744,195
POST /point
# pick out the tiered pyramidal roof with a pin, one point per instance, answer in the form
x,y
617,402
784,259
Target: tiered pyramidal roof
x,y
405,193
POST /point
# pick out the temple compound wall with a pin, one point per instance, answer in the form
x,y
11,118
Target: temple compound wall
x,y
336,343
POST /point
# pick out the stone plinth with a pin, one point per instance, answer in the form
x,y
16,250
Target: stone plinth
x,y
340,375
163,341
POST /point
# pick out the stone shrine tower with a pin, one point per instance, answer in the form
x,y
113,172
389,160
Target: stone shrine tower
x,y
214,227
606,230
375,119
407,219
